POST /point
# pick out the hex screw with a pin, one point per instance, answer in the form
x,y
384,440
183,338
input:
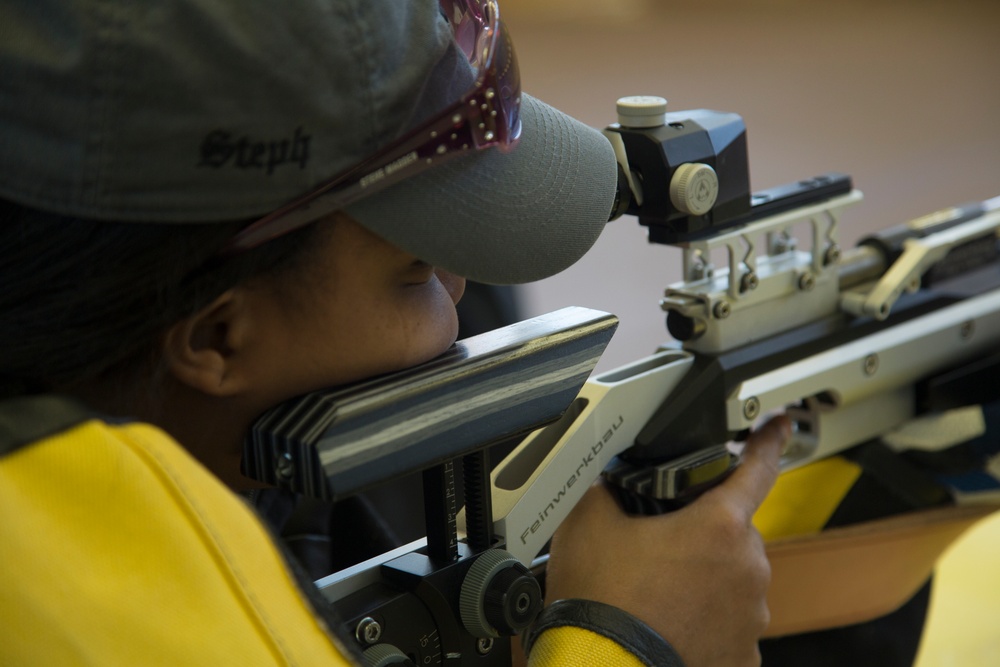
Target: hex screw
x,y
832,255
806,282
871,364
284,468
783,244
701,271
751,408
749,282
368,631
721,310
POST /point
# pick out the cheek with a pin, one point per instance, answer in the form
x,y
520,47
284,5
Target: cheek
x,y
379,331
427,322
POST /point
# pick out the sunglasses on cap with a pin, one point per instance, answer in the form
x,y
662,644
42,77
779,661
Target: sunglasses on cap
x,y
488,115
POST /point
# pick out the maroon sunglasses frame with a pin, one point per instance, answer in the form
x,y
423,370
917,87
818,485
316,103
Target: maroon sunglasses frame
x,y
486,116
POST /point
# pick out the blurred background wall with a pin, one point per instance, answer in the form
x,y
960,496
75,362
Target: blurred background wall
x,y
904,95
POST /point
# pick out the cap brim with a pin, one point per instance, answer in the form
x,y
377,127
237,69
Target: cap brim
x,y
505,218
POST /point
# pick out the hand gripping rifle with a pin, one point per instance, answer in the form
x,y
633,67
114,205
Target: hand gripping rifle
x,y
850,344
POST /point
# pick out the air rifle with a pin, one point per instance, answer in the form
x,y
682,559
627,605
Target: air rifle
x,y
850,344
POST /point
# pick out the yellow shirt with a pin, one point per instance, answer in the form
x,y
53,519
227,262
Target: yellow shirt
x,y
118,548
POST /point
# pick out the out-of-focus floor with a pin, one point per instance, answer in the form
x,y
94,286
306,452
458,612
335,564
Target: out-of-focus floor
x,y
903,95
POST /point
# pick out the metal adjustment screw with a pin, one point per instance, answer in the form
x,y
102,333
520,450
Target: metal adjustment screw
x,y
284,468
871,364
832,255
749,282
640,111
721,310
751,408
368,631
701,271
484,645
694,188
783,244
968,328
807,281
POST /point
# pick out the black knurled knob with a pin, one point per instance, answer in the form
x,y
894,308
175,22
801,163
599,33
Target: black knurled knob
x,y
512,600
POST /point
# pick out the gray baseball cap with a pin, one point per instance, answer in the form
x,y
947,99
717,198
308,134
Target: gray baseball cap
x,y
201,111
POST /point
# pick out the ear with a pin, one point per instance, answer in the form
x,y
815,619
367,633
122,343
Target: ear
x,y
206,351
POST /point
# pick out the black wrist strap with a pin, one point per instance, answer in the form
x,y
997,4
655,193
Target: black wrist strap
x,y
621,627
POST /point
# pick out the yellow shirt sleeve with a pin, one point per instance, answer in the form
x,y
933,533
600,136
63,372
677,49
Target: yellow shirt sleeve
x,y
558,647
118,548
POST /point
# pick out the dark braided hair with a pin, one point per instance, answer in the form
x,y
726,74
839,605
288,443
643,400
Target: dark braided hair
x,y
82,299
